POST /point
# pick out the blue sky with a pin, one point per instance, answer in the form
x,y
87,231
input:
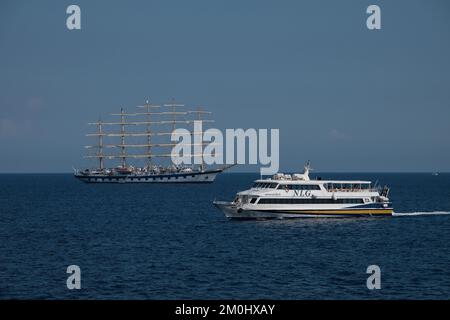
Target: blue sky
x,y
345,97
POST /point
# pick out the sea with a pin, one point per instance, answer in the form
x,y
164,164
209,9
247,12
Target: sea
x,y
167,241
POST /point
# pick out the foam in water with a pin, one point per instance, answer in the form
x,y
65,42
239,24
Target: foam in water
x,y
424,213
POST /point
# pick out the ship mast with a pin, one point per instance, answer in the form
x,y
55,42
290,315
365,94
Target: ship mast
x,y
174,113
148,134
199,112
149,114
99,147
122,138
100,144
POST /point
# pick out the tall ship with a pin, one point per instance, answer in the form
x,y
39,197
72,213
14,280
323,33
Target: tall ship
x,y
138,144
297,196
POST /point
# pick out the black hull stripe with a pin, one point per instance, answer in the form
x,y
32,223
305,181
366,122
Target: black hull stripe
x,y
153,176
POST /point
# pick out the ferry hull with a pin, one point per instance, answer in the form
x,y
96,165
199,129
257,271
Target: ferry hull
x,y
191,177
233,212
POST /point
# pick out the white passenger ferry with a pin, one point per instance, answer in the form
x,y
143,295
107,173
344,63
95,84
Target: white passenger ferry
x,y
295,196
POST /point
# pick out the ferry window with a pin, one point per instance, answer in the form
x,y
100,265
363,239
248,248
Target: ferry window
x,y
307,201
253,200
297,186
304,187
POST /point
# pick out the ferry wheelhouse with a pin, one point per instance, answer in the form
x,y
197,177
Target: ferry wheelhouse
x,y
296,196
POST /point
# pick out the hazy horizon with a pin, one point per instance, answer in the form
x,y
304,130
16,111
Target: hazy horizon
x,y
256,171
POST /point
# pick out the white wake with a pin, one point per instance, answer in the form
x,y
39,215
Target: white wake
x,y
423,213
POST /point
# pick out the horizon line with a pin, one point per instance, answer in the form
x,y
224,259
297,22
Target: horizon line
x,y
255,172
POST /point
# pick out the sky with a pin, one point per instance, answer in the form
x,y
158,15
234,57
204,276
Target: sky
x,y
345,97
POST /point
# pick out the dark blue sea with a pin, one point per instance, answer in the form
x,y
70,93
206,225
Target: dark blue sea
x,y
162,241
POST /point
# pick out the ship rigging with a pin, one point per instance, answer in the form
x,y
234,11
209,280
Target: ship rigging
x,y
115,139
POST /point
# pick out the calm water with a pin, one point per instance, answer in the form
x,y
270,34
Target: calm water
x,y
169,242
